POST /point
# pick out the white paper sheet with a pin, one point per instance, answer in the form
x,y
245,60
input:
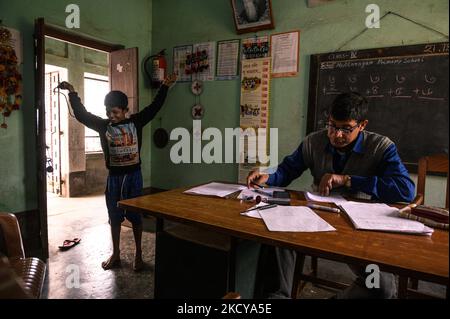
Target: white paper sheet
x,y
216,189
254,213
337,199
383,218
294,219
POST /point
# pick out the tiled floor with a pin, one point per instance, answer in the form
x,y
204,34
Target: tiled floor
x,y
86,218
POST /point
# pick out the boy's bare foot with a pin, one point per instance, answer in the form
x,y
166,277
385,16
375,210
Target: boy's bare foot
x,y
138,264
112,262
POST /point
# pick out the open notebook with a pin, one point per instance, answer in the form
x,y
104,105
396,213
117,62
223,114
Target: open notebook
x,y
382,217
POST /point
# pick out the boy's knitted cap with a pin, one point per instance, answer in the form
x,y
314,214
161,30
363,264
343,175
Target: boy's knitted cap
x,y
116,99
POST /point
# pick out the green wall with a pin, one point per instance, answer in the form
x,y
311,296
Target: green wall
x,y
115,21
323,29
176,22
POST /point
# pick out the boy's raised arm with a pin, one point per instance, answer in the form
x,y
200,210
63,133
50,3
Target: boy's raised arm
x,y
81,114
149,112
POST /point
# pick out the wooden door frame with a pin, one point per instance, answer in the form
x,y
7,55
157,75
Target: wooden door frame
x,y
43,30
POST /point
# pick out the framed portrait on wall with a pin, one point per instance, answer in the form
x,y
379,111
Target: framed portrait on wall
x,y
252,15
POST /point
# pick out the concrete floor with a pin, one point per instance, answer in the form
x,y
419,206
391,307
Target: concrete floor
x,y
86,218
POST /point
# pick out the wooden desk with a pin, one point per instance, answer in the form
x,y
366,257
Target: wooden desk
x,y
422,257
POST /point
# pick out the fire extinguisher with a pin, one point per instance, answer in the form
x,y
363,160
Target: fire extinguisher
x,y
158,70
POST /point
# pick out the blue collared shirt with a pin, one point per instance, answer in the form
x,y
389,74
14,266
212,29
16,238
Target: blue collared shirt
x,y
390,184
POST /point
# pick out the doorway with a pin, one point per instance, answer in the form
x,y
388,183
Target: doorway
x,y
75,161
70,160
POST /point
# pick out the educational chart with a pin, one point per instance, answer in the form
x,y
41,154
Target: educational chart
x,y
255,48
202,61
180,58
255,96
228,59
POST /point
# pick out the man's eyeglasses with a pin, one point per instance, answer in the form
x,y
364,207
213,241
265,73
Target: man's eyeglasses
x,y
345,130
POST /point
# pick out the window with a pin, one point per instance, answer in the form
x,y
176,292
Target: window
x,y
95,88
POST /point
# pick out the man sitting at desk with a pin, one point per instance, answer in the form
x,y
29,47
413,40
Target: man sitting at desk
x,y
343,158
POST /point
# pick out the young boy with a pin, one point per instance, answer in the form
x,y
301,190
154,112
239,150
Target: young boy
x,y
121,140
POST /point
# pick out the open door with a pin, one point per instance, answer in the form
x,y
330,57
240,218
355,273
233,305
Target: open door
x,y
39,100
124,75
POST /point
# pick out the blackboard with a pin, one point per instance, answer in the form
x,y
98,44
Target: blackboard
x,y
407,90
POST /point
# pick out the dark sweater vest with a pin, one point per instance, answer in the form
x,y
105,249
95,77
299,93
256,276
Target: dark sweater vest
x,y
320,161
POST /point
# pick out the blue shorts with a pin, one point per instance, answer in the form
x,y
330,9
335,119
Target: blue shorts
x,y
120,187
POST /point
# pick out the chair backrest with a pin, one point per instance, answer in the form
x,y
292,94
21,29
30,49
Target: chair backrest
x,y
11,285
11,237
432,164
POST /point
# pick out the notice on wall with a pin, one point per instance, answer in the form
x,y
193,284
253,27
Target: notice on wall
x,y
228,59
284,53
254,115
180,56
255,48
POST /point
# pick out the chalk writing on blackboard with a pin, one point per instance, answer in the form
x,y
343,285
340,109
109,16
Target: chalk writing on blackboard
x,y
407,90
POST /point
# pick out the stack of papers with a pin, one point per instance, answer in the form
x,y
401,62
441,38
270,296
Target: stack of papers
x,y
383,218
291,219
336,199
216,189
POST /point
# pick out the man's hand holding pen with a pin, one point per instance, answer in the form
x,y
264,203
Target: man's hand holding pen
x,y
256,178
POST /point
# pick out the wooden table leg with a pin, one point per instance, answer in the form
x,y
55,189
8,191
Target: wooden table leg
x,y
298,276
402,287
159,230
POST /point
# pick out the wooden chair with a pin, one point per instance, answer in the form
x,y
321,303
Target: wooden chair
x,y
232,295
432,164
11,285
30,271
300,278
428,164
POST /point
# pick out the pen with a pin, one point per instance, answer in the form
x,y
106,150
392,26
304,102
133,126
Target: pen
x,y
260,186
325,208
260,191
261,208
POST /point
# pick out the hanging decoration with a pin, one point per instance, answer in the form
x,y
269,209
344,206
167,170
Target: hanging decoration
x,y
197,87
197,111
10,78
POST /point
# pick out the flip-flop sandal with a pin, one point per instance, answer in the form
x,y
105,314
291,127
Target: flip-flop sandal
x,y
67,244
